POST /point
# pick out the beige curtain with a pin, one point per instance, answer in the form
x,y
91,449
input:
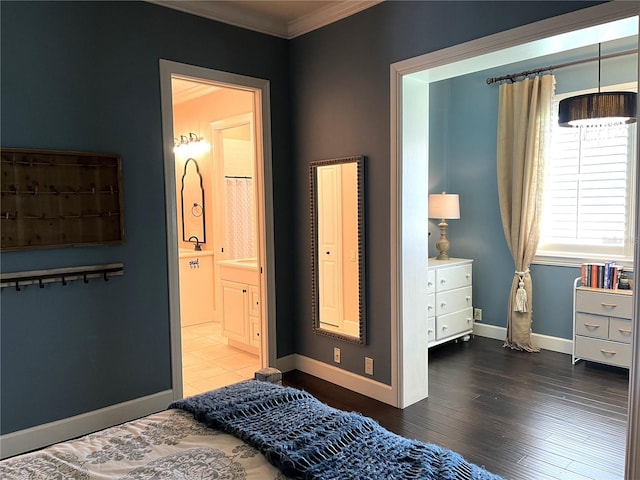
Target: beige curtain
x,y
524,118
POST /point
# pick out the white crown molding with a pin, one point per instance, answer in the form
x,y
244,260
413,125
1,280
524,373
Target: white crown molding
x,y
327,15
226,12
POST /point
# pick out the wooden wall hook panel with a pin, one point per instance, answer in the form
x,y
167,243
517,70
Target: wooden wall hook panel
x,y
64,275
60,198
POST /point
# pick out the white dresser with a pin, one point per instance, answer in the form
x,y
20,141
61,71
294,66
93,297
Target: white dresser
x,y
449,300
602,326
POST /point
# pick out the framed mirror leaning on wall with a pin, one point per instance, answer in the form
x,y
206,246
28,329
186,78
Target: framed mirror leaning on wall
x,y
338,248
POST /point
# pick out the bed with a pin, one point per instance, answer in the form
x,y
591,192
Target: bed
x,y
249,430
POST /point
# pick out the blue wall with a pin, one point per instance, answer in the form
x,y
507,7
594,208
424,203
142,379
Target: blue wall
x,y
85,76
340,79
463,160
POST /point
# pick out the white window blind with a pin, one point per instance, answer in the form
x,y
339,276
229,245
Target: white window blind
x,y
588,207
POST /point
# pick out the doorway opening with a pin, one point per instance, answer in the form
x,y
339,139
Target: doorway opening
x,y
412,83
219,226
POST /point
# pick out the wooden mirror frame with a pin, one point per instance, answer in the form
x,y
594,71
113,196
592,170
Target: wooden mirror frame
x,y
315,284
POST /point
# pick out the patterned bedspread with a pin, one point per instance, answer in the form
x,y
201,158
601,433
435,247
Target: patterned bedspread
x,y
166,445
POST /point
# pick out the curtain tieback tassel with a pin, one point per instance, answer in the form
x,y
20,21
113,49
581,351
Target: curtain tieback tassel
x,y
520,304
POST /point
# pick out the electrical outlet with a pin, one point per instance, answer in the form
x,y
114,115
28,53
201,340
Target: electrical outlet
x,y
336,354
368,365
477,314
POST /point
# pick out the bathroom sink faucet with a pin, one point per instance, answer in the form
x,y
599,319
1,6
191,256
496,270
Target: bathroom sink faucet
x,y
197,248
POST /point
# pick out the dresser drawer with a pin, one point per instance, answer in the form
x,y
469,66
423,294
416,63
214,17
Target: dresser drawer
x,y
454,277
604,303
448,325
589,325
604,351
620,330
431,305
431,329
453,300
431,282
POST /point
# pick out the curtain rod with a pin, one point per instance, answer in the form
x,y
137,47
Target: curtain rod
x,y
526,73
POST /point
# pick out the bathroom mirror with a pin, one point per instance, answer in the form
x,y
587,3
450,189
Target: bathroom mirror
x,y
337,246
192,197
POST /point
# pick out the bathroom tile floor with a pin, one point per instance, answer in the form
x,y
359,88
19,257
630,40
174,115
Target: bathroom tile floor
x,y
209,363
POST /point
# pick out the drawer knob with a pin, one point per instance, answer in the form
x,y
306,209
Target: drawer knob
x,y
468,319
443,304
444,327
443,281
608,305
429,308
468,275
468,298
591,325
607,352
626,331
430,331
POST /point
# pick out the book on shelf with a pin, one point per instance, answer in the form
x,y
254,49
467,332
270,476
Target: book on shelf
x,y
600,275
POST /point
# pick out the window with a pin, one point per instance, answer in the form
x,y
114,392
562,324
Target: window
x,y
588,205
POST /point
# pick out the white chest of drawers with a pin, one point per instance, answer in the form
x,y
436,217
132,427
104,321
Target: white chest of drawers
x,y
449,300
602,326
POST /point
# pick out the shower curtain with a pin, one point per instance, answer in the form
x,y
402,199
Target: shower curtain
x,y
239,218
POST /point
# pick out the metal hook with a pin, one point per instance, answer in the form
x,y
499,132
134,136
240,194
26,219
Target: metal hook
x,y
64,282
106,279
85,278
17,286
40,283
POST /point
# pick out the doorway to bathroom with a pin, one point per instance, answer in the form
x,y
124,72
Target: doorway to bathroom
x,y
218,217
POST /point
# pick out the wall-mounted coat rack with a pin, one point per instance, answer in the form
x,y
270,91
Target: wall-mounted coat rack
x,y
18,280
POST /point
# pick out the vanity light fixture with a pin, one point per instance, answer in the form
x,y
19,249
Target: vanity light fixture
x,y
601,108
190,144
444,206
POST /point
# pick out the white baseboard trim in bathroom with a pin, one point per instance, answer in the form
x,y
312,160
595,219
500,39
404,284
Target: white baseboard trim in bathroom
x,y
67,428
545,342
351,381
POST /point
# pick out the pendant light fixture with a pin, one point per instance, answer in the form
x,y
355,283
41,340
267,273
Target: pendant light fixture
x,y
608,108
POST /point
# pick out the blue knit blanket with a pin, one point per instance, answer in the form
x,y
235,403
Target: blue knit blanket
x,y
307,439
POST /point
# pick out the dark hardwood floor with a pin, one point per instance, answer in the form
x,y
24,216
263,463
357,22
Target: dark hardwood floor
x,y
522,416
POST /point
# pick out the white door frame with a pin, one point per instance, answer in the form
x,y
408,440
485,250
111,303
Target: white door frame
x,y
264,204
409,158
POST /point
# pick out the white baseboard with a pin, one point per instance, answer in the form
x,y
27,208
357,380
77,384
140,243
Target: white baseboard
x,y
383,392
337,376
42,435
286,364
545,342
68,428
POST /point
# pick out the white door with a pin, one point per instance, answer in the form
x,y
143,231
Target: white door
x,y
330,245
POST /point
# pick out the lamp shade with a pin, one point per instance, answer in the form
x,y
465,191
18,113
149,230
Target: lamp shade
x,y
601,107
444,205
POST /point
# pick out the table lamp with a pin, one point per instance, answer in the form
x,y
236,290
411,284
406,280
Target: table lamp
x,y
444,206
